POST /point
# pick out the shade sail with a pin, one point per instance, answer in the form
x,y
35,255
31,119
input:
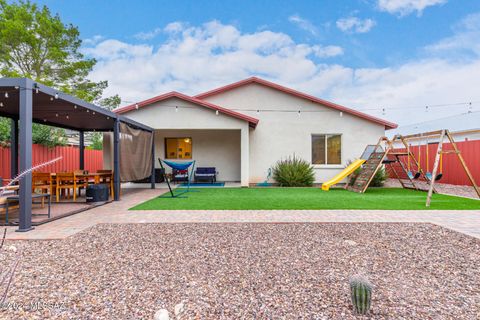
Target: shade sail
x,y
135,153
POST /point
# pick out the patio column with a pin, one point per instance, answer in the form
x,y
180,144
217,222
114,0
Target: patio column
x,y
81,149
116,159
25,141
152,178
13,147
244,156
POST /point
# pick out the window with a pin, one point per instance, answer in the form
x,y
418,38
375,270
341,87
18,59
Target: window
x,y
327,149
178,148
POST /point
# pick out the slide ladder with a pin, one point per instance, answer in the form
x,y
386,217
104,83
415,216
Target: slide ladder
x,y
369,169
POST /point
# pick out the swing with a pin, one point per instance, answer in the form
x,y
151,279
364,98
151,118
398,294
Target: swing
x,y
428,174
178,166
440,174
409,172
419,171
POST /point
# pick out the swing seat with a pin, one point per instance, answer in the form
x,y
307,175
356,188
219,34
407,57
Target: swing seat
x,y
417,175
439,176
428,175
410,175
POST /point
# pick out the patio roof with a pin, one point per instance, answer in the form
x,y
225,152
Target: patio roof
x,y
26,101
55,108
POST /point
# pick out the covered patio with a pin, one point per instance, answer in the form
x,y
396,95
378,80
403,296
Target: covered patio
x,y
25,101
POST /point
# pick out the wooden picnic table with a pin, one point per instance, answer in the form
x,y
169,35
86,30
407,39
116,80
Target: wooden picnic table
x,y
96,176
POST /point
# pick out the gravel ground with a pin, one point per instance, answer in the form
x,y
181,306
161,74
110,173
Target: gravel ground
x,y
247,271
450,189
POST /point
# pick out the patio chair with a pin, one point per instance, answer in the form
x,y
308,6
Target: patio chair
x,y
179,175
68,181
43,182
108,179
208,174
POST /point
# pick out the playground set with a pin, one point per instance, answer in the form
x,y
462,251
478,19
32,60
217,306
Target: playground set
x,y
402,164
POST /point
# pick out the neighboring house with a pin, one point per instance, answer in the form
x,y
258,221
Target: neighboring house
x,y
244,128
463,127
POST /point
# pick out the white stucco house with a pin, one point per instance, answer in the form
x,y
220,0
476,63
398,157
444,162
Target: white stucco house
x,y
243,128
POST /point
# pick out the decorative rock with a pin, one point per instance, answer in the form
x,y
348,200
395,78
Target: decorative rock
x,y
161,314
179,308
350,242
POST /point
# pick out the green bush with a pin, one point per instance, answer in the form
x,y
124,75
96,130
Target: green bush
x,y
293,172
379,178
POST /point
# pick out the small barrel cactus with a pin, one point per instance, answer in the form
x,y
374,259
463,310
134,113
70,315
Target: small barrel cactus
x,y
361,292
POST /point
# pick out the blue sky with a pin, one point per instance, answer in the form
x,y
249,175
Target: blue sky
x,y
367,54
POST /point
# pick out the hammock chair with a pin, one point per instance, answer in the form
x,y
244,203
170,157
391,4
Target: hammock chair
x,y
178,166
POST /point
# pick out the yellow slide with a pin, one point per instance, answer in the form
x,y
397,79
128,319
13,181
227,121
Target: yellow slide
x,y
345,173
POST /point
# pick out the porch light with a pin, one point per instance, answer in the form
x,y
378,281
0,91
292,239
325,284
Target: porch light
x,y
176,108
299,113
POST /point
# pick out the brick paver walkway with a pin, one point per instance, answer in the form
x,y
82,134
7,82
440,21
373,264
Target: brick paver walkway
x,y
467,222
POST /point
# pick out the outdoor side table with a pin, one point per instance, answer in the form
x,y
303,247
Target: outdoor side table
x,y
16,198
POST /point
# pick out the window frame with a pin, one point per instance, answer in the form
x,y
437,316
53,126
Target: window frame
x,y
177,138
326,164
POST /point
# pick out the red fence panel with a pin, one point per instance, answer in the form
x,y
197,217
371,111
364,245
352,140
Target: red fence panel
x,y
452,169
70,159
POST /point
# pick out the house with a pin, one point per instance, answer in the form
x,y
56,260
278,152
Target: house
x,y
244,128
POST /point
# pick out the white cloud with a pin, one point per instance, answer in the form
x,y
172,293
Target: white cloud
x,y
405,7
355,25
196,59
466,39
303,24
148,35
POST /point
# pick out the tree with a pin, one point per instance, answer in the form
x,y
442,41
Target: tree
x,y
38,45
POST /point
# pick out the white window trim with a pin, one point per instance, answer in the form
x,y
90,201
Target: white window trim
x,y
327,166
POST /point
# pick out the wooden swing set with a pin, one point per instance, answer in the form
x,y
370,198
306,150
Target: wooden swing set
x,y
384,153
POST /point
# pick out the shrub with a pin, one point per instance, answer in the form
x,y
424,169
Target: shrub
x,y
379,178
293,172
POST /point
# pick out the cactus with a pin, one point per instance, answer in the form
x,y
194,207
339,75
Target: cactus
x,y
361,293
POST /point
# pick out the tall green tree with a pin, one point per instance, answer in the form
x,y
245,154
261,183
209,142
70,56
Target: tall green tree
x,y
36,44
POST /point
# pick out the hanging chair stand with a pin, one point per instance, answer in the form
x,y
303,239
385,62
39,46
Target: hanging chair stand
x,y
177,166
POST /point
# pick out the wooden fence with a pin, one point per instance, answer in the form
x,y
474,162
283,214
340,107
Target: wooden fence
x,y
69,162
453,172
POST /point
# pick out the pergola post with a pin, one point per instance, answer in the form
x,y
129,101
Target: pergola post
x,y
152,178
13,147
81,149
116,160
25,141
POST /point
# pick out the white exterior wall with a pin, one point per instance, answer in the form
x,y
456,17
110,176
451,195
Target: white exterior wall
x,y
280,134
216,139
210,148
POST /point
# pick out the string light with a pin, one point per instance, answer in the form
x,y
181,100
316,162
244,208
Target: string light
x,y
44,120
6,95
16,87
136,106
1,104
216,112
56,95
299,113
56,115
51,98
67,117
93,112
341,114
74,106
176,108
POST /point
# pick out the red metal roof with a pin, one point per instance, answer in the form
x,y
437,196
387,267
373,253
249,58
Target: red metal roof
x,y
387,124
252,121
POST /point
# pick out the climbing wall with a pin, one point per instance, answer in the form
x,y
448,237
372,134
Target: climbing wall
x,y
369,169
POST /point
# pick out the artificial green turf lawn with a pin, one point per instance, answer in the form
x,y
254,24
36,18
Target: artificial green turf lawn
x,y
305,199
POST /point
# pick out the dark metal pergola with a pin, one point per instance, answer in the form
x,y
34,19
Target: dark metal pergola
x,y
25,101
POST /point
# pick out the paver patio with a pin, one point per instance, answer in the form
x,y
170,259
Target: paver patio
x,y
467,222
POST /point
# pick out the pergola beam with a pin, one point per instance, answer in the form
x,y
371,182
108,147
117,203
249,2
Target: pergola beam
x,y
116,160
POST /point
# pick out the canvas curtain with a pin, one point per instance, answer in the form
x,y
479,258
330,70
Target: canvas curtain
x,y
135,153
